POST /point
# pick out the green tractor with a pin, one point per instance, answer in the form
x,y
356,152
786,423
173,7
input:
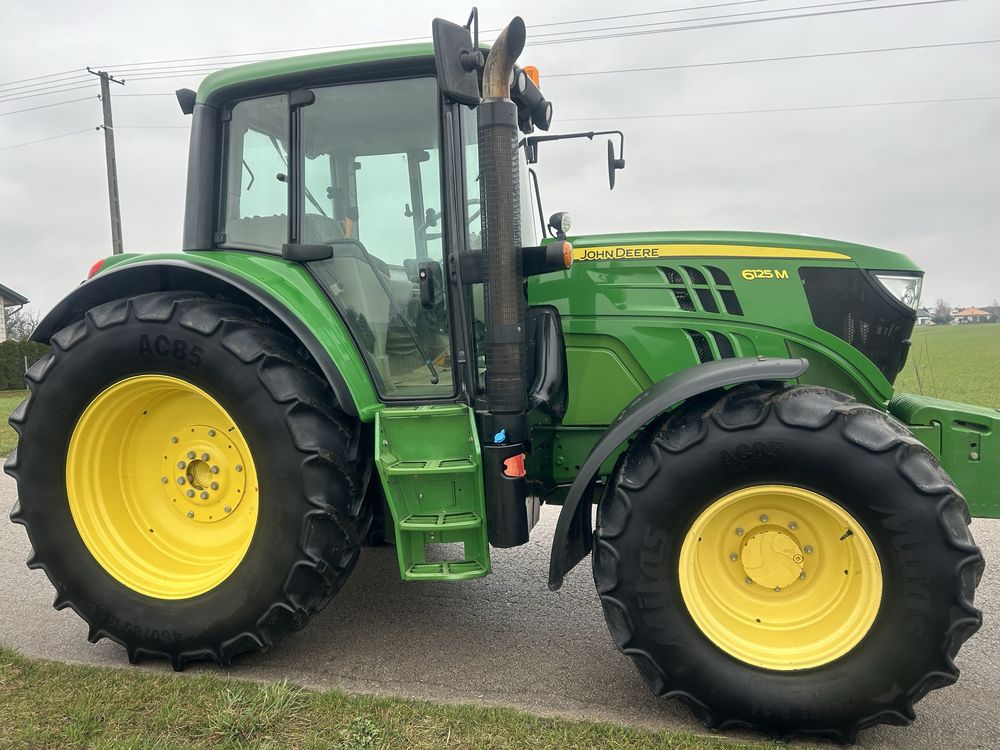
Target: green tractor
x,y
370,337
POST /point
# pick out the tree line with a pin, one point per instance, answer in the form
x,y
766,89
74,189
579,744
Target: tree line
x,y
17,350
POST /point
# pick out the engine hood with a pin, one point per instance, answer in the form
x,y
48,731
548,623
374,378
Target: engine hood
x,y
646,245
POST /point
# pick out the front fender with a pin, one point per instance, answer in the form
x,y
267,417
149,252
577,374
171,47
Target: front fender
x,y
284,289
572,539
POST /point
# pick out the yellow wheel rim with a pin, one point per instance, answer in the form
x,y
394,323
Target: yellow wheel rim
x,y
162,487
780,577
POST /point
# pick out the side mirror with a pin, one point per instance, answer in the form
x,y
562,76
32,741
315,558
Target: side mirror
x,y
458,60
613,163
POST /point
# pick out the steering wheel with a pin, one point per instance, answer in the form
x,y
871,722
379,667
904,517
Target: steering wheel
x,y
433,217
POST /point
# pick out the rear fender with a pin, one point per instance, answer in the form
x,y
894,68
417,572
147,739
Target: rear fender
x,y
574,531
284,289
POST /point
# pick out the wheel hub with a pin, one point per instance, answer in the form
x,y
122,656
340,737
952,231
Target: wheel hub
x,y
772,558
202,473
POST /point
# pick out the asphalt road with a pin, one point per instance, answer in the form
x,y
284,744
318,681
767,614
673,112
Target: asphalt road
x,y
502,640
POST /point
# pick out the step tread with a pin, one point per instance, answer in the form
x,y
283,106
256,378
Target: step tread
x,y
440,521
432,466
447,570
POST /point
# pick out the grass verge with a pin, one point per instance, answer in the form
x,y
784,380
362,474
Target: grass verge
x,y
49,705
8,438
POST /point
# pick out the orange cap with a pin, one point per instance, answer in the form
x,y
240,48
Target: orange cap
x,y
532,72
567,254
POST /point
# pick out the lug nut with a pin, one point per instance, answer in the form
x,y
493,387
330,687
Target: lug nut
x,y
164,480
792,525
238,467
190,493
191,454
802,576
763,517
203,495
181,464
739,531
190,514
214,470
204,456
211,433
733,556
808,549
214,485
180,480
748,580
173,439
228,509
777,588
974,456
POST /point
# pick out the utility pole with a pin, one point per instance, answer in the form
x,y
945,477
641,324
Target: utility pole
x,y
109,156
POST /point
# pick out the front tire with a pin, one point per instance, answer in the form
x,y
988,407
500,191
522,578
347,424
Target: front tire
x,y
187,480
788,560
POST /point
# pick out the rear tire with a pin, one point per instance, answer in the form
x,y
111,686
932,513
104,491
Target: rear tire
x,y
303,526
664,563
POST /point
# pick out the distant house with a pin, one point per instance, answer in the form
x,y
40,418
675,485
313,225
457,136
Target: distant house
x,y
924,317
8,298
972,315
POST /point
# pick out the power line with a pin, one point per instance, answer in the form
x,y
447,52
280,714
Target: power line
x,y
741,22
36,78
59,81
424,37
78,73
773,59
783,109
50,138
46,106
682,66
45,93
40,90
711,18
646,13
149,71
124,68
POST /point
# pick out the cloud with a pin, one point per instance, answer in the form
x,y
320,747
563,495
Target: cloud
x,y
921,179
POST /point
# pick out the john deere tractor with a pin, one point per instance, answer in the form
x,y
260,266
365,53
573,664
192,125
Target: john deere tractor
x,y
371,337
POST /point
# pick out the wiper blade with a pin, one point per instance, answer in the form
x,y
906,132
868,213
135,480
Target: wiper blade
x,y
309,195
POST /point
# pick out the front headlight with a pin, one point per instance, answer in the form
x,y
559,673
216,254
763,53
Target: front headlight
x,y
906,289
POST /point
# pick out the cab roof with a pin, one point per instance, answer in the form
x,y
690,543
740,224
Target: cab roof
x,y
216,83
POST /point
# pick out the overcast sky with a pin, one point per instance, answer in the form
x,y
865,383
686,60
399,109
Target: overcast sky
x,y
922,179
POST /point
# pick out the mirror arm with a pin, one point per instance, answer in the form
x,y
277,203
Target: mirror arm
x,y
531,142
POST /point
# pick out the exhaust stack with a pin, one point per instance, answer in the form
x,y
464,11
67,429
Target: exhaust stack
x,y
505,308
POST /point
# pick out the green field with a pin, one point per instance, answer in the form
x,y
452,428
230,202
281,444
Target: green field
x,y
958,363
